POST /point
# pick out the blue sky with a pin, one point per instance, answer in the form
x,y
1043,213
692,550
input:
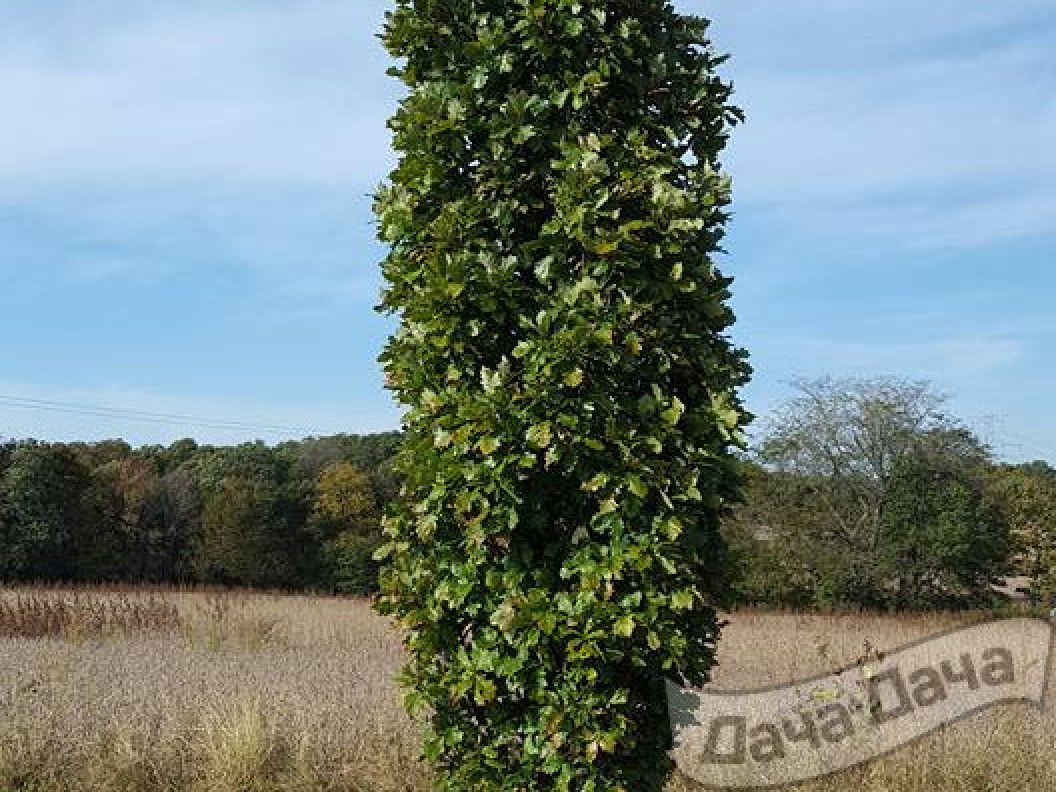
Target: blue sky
x,y
185,218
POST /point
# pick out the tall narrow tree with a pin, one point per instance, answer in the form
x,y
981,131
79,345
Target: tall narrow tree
x,y
571,390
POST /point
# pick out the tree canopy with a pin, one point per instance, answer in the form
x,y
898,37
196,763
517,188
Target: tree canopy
x,y
867,492
249,515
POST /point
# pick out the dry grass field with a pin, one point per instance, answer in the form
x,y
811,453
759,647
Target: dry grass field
x,y
145,690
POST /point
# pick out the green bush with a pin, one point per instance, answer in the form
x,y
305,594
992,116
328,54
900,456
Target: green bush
x,y
571,392
942,543
349,560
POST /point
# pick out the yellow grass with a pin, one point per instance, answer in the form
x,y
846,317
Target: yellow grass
x,y
133,690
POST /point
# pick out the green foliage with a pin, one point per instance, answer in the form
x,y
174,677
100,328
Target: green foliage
x,y
868,494
251,514
1026,495
242,543
787,549
942,544
49,508
347,516
345,497
553,222
350,563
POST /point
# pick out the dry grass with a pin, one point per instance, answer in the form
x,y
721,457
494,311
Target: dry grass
x,y
73,616
244,692
1009,750
130,690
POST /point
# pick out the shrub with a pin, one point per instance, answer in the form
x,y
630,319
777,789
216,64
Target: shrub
x,y
942,543
351,566
553,222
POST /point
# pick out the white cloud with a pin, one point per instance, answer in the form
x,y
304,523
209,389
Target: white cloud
x,y
170,94
971,222
143,138
911,121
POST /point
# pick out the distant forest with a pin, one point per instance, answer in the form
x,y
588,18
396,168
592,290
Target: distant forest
x,y
298,515
859,493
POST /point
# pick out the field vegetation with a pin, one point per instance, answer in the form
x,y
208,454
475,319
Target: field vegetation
x,y
858,494
125,689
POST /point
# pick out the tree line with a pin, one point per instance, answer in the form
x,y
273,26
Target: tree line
x,y
297,515
861,493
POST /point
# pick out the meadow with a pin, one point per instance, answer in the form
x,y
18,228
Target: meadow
x,y
133,689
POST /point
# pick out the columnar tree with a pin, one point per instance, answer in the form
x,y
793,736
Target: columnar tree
x,y
554,221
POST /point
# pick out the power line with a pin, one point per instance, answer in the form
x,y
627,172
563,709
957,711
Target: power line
x,y
172,419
